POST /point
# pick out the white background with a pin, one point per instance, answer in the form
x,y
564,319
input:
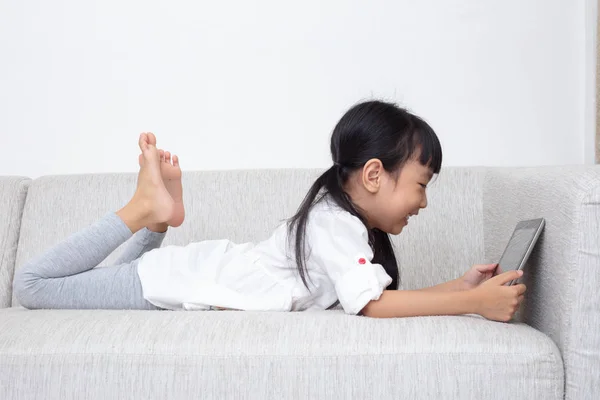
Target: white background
x,y
243,84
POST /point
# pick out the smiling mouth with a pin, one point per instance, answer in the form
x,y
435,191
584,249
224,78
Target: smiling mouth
x,y
409,216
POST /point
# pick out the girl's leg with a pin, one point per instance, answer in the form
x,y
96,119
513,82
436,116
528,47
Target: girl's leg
x,y
143,241
64,276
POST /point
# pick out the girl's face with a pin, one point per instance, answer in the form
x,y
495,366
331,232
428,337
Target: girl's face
x,y
389,200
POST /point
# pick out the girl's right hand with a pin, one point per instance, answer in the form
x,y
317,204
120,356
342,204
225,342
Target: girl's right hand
x,y
498,302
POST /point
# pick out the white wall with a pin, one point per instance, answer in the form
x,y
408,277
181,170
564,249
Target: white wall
x,y
261,84
589,77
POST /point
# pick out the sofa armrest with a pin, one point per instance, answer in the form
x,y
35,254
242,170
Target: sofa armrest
x,y
563,275
13,191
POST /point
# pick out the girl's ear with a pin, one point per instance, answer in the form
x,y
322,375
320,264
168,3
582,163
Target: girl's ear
x,y
372,174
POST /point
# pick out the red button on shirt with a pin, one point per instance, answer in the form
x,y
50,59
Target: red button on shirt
x,y
362,261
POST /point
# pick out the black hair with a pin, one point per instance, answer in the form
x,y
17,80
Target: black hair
x,y
372,129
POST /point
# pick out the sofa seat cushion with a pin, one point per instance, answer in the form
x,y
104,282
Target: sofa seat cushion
x,y
102,354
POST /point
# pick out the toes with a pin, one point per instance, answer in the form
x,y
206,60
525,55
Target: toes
x,y
143,141
175,161
152,155
162,155
151,139
168,157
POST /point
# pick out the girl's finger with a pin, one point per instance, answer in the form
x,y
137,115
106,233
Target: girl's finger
x,y
486,267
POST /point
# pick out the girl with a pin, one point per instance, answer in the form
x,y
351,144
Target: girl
x,y
335,249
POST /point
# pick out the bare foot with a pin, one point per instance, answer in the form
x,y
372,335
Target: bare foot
x,y
171,176
151,203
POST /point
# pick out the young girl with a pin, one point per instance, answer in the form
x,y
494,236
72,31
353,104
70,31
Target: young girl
x,y
336,247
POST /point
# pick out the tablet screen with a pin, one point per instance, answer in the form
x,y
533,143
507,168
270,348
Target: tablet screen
x,y
517,248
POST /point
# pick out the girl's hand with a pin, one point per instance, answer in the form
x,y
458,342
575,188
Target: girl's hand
x,y
480,273
493,300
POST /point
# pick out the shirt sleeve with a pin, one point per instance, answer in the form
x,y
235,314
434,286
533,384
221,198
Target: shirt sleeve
x,y
339,245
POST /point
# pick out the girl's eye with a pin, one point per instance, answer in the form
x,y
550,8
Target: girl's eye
x,y
423,185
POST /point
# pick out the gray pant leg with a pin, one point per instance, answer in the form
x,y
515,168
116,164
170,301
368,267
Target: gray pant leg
x,y
143,241
64,276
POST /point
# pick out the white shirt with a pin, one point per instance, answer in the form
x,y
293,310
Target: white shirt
x,y
263,276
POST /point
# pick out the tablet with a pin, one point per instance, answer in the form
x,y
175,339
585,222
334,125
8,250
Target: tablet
x,y
520,245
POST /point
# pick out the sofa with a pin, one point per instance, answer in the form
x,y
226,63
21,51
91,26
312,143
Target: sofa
x,y
551,350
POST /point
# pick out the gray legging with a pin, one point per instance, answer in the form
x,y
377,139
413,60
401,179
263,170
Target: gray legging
x,y
64,276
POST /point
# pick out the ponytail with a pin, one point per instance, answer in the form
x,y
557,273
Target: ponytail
x,y
331,183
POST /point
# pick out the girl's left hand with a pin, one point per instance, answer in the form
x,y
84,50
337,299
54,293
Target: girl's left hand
x,y
480,273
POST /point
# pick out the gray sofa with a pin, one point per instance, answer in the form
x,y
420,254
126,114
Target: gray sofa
x,y
550,351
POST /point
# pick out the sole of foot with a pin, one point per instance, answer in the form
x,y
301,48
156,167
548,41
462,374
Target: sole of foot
x,y
151,203
171,174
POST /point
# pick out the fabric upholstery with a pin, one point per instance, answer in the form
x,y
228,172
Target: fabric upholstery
x,y
66,354
563,276
13,191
